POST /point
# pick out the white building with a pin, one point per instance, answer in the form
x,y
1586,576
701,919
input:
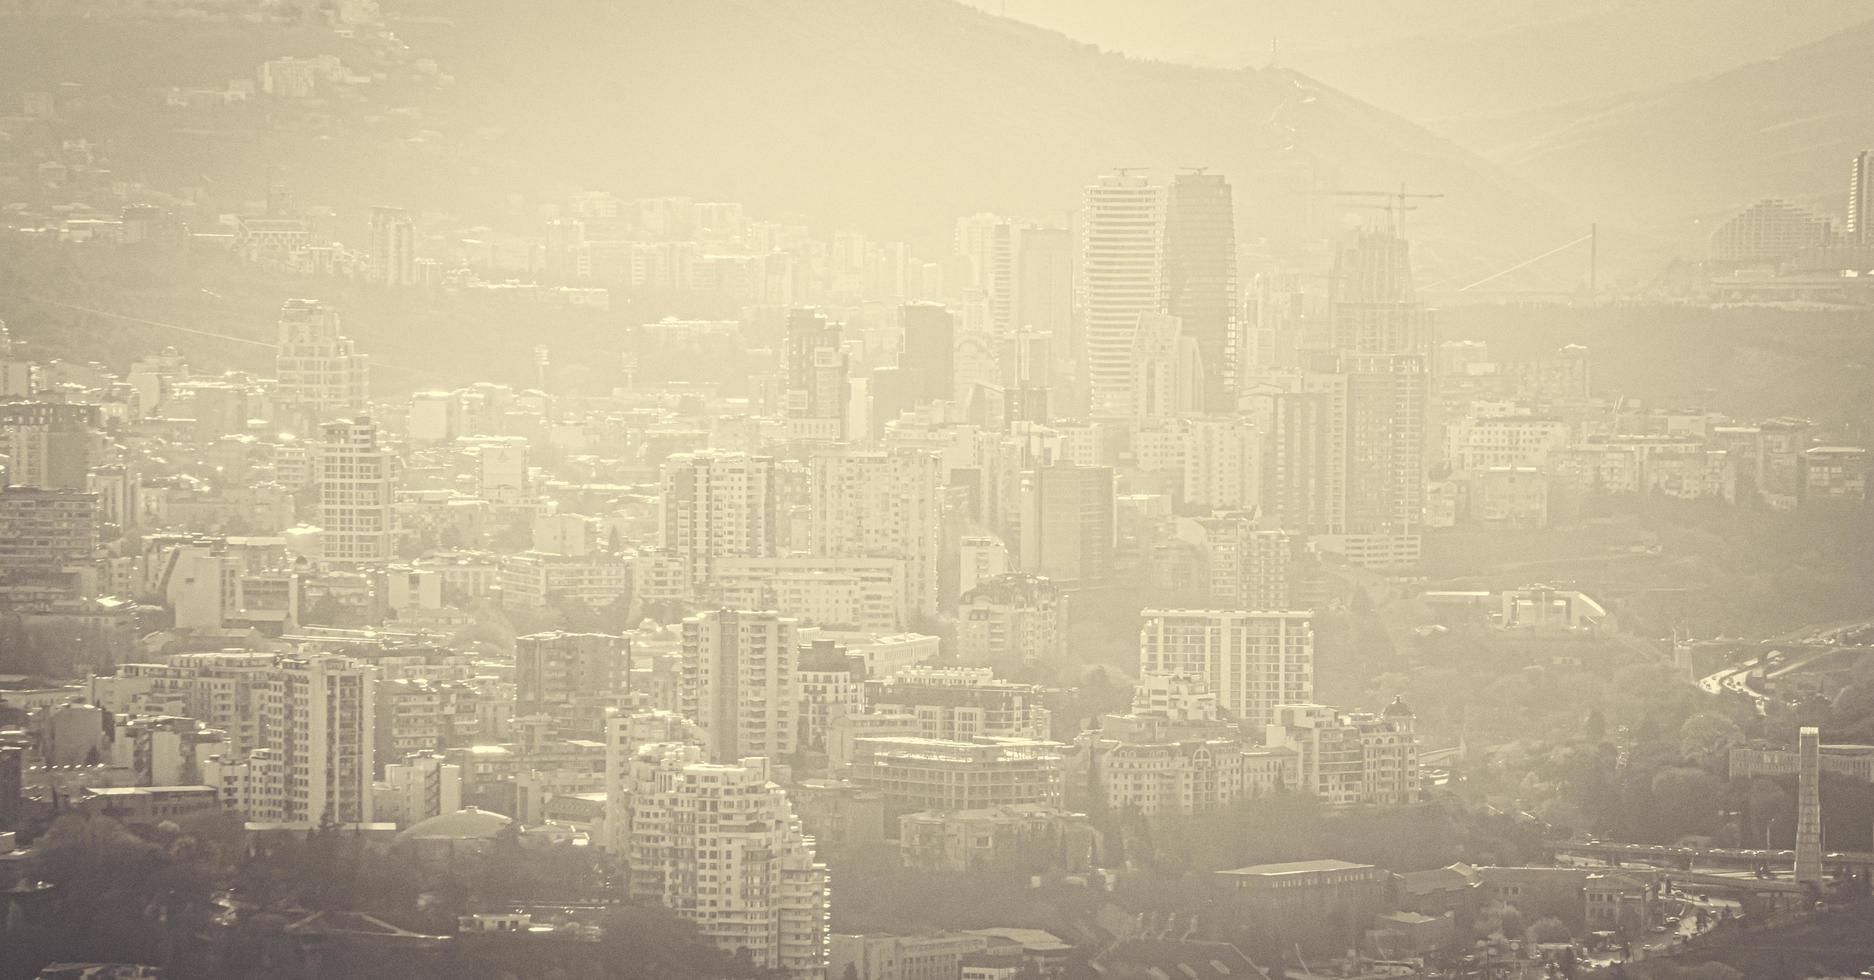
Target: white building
x,y
722,846
317,715
356,478
717,505
319,370
1253,660
1348,758
1122,246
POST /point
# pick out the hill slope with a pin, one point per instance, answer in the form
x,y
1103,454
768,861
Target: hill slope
x,y
1433,59
898,115
1681,156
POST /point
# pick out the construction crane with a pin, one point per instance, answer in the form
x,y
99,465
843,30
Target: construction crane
x,y
1394,201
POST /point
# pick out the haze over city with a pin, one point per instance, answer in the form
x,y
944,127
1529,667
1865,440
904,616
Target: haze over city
x,y
936,490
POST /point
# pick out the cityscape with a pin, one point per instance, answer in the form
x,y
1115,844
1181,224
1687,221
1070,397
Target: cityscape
x,y
935,490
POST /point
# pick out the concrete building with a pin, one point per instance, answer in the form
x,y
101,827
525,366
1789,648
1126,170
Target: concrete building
x,y
317,736
422,786
817,382
393,247
1253,661
1068,522
1010,618
717,505
914,773
47,537
881,504
572,677
320,373
961,703
48,445
1317,905
355,474
740,684
1019,837
1350,758
721,846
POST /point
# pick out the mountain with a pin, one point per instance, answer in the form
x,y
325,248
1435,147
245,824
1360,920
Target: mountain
x,y
897,116
1682,157
1438,59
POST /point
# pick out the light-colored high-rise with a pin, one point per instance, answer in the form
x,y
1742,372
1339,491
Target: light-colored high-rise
x,y
1122,251
393,247
882,504
1860,226
356,478
739,683
320,372
722,847
717,505
317,737
1253,660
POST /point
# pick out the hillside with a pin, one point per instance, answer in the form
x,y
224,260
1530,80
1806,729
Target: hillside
x,y
1438,59
1680,157
898,116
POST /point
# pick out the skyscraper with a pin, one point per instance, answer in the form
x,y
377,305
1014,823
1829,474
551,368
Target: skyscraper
x,y
988,243
1122,246
816,377
1044,281
573,677
1253,660
320,372
930,350
739,683
882,504
1861,199
721,845
1375,307
356,478
1200,279
717,505
393,247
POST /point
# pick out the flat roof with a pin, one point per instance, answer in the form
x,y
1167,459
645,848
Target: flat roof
x,y
1298,867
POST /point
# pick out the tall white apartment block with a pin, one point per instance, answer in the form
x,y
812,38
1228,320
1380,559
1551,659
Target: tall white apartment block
x,y
717,505
320,372
740,685
1122,258
882,504
722,846
356,478
316,730
1253,660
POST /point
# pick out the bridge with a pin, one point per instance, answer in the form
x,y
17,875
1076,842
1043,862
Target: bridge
x,y
1688,858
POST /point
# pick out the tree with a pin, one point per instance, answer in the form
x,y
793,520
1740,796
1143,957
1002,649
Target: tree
x,y
1686,801
1549,930
1706,738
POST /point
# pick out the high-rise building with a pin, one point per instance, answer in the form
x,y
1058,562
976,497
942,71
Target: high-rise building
x,y
1375,306
1809,806
627,733
572,677
930,351
317,735
718,505
817,388
1200,279
739,683
393,247
1067,522
1167,369
1122,245
356,478
1253,660
1010,619
320,372
47,536
881,504
48,445
1044,281
960,703
1861,199
721,845
988,244
1385,412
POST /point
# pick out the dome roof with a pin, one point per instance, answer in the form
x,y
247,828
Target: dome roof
x,y
467,823
1396,708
